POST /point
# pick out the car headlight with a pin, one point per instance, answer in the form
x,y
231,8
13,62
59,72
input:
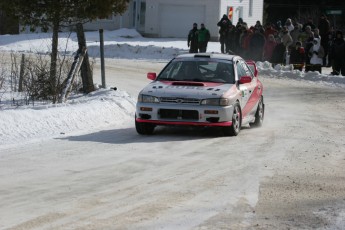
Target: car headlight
x,y
216,101
147,99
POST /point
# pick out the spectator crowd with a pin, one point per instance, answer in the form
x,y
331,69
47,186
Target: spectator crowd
x,y
309,46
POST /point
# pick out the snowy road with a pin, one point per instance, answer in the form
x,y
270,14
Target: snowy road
x,y
288,174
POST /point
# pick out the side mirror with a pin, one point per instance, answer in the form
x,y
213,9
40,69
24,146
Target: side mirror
x,y
245,79
152,76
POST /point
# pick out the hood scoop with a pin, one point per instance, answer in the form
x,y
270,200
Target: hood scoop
x,y
188,83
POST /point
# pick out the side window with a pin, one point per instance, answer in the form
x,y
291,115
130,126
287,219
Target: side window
x,y
246,70
240,70
171,70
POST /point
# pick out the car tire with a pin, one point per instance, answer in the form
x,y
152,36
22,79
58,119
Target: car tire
x,y
144,128
259,115
235,128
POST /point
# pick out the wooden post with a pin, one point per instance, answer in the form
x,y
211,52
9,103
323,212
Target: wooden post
x,y
21,74
102,57
86,71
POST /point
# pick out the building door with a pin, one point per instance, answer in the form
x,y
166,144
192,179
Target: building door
x,y
139,11
142,12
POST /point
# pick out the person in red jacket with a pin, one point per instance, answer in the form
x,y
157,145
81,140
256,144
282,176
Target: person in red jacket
x,y
269,46
297,56
270,30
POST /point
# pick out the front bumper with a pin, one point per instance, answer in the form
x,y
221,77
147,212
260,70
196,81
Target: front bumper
x,y
209,124
184,115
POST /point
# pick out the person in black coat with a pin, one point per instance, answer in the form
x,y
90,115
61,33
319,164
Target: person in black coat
x,y
278,54
193,39
256,45
297,56
224,25
337,54
324,28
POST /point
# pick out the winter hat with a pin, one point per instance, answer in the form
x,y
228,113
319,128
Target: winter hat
x,y
288,21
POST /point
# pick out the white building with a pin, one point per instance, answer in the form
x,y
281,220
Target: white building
x,y
174,18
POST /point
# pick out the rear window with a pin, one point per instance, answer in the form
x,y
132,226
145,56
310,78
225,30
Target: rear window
x,y
201,70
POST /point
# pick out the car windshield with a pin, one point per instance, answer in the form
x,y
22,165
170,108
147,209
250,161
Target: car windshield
x,y
199,70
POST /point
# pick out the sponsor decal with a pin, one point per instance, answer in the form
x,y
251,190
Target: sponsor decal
x,y
231,12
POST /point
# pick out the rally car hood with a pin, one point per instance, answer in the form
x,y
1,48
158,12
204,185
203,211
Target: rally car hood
x,y
197,90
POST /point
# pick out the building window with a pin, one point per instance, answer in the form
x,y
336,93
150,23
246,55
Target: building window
x,y
250,13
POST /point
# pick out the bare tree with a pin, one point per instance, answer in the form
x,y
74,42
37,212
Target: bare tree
x,y
54,14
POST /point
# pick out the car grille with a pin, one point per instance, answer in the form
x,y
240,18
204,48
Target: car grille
x,y
179,114
176,100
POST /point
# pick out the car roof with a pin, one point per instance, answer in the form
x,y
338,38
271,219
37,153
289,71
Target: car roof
x,y
210,55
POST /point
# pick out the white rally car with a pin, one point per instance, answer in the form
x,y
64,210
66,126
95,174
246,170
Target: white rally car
x,y
210,90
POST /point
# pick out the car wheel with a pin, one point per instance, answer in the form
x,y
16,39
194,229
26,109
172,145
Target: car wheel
x,y
259,115
144,128
235,128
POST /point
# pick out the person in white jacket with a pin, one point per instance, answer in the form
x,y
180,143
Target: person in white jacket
x,y
289,25
316,53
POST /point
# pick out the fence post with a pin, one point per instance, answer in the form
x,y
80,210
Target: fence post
x,y
21,73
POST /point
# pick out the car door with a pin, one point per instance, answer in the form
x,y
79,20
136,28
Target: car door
x,y
247,89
